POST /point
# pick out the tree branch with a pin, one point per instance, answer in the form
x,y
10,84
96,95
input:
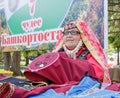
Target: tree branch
x,y
114,32
113,11
113,4
114,19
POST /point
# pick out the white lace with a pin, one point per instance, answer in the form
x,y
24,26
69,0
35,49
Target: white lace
x,y
74,51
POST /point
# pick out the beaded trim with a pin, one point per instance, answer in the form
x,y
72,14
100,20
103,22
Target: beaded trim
x,y
10,92
68,52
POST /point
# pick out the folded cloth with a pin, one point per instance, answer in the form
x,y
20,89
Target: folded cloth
x,y
3,76
49,94
57,68
84,86
8,90
114,86
103,94
16,81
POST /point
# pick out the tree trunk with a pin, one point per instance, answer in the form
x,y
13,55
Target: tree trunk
x,y
118,56
7,60
27,59
15,67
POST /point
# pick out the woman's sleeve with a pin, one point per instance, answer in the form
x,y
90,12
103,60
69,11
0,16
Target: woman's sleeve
x,y
99,71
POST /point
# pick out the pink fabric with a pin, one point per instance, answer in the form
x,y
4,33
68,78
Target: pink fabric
x,y
19,92
99,72
114,86
93,40
58,88
8,90
2,76
89,34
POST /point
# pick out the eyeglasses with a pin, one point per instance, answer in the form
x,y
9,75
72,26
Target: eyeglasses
x,y
71,32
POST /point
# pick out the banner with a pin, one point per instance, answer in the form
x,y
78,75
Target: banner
x,y
38,24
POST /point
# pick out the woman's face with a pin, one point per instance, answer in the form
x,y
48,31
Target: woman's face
x,y
71,39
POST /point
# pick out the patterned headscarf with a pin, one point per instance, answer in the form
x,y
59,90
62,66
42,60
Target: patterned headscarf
x,y
70,26
94,46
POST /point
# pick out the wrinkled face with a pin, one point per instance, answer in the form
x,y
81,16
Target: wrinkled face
x,y
71,38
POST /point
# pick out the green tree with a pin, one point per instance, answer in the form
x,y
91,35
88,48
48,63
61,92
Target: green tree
x,y
113,25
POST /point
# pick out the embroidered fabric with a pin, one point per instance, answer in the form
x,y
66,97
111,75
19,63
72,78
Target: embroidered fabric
x,y
72,53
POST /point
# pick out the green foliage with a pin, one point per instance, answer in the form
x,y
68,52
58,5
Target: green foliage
x,y
110,39
113,23
113,39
